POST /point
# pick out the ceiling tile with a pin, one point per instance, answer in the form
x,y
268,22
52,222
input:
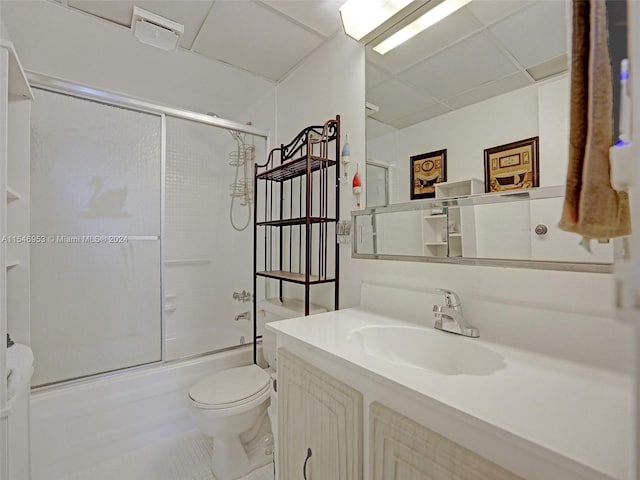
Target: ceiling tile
x,y
395,98
323,16
374,76
375,128
420,116
426,43
466,65
253,37
546,22
190,13
489,90
549,68
488,11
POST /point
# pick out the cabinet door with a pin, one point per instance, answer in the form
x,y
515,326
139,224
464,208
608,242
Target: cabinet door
x,y
320,415
401,449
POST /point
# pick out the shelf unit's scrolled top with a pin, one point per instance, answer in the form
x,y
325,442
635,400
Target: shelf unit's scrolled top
x,y
308,152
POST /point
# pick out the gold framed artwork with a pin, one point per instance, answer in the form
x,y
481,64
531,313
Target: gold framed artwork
x,y
514,166
427,169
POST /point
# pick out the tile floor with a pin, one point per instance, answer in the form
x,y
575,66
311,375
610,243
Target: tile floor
x,y
186,458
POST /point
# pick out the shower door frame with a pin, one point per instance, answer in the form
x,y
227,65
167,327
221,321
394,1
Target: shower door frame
x,y
106,97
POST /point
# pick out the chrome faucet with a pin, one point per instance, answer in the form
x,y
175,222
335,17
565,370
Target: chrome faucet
x,y
449,316
243,316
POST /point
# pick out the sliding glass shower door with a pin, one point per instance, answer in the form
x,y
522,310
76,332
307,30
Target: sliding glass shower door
x,y
96,209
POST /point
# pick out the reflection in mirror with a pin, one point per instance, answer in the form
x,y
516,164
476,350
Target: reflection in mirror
x,y
511,226
493,73
377,188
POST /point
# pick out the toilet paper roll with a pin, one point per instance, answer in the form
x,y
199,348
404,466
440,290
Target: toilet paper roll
x,y
19,369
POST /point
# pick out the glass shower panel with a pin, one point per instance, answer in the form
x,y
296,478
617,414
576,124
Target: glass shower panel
x,y
96,199
206,259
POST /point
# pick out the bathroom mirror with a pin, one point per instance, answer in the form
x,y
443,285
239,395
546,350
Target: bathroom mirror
x,y
508,229
492,73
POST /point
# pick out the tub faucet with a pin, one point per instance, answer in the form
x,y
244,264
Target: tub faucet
x,y
449,316
243,316
242,296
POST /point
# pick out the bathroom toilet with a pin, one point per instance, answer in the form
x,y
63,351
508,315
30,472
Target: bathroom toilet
x,y
231,406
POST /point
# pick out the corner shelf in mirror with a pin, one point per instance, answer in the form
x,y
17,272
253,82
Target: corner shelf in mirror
x,y
472,186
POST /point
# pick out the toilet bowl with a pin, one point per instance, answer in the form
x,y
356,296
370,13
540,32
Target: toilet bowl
x,y
231,407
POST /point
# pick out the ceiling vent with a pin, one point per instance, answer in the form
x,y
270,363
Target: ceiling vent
x,y
155,30
371,108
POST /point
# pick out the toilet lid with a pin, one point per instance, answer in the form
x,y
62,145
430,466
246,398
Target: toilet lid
x,y
230,386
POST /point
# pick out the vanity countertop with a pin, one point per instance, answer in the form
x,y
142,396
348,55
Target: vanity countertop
x,y
578,413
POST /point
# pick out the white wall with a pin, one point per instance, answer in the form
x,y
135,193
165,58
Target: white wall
x,y
74,46
329,82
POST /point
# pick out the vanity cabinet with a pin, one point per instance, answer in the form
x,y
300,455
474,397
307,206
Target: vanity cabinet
x,y
401,449
320,422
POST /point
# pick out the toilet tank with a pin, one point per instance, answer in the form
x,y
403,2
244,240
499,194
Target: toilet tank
x,y
274,309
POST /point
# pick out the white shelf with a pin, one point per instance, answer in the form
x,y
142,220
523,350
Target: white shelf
x,y
461,188
455,235
433,217
14,290
12,195
436,244
18,83
12,263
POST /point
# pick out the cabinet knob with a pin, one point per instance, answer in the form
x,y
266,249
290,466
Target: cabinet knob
x,y
304,468
541,229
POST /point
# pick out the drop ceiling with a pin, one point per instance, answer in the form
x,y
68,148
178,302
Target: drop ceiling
x,y
487,48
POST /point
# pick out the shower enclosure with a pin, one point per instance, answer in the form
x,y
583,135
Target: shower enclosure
x,y
138,261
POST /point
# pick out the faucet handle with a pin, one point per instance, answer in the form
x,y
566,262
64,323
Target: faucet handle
x,y
451,298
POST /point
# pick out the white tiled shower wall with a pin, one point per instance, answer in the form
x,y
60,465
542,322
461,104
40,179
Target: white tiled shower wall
x,y
207,260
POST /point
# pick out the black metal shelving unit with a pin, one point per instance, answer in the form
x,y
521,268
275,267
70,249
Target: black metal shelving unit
x,y
295,215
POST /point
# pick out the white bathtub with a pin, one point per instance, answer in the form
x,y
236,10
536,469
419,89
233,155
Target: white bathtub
x,y
76,426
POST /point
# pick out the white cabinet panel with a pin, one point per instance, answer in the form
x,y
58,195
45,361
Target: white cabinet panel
x,y
401,449
321,414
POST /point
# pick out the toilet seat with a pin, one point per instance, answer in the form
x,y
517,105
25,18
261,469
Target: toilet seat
x,y
234,387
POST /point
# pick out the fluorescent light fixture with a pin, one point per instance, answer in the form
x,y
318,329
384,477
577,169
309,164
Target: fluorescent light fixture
x,y
433,16
361,17
388,23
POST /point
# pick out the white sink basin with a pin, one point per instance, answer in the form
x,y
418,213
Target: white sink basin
x,y
419,347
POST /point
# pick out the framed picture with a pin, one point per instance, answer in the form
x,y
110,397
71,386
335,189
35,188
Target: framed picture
x,y
427,169
513,166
